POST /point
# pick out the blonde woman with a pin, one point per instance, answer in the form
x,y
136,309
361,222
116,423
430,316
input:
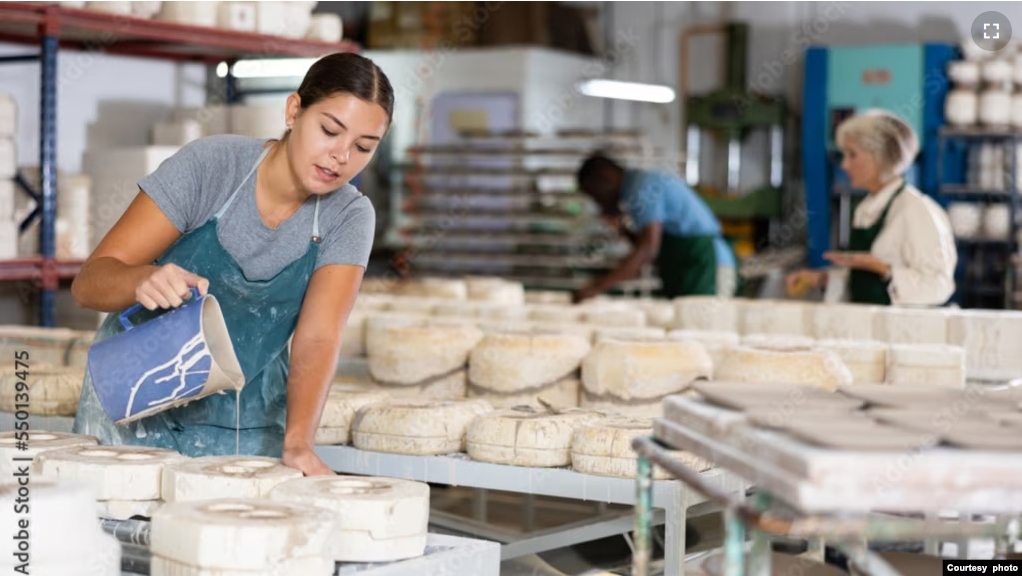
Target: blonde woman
x,y
902,249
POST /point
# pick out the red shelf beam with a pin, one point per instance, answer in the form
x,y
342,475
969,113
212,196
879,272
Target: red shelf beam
x,y
22,23
33,269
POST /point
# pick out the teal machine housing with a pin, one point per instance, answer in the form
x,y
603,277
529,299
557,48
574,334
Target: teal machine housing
x,y
839,82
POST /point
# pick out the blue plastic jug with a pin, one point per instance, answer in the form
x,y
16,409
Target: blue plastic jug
x,y
175,358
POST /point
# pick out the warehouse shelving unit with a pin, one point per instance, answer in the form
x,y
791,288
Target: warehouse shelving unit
x,y
54,27
505,204
984,254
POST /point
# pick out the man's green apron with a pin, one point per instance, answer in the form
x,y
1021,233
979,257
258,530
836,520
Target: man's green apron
x,y
261,315
687,265
868,287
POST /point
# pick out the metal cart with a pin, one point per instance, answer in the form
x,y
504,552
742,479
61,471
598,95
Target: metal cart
x,y
827,496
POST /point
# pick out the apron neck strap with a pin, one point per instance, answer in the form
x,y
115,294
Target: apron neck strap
x,y
315,224
255,166
262,156
887,208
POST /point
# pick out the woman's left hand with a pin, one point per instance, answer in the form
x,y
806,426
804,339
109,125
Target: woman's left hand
x,y
859,261
303,457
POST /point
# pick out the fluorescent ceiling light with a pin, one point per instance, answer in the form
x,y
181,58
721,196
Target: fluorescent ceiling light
x,y
626,91
268,68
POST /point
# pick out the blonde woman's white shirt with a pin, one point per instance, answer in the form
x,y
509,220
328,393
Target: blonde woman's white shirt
x,y
916,241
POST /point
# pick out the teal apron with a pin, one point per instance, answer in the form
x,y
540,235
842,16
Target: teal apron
x,y
687,265
864,286
260,315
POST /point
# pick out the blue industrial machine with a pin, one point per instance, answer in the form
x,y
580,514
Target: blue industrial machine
x,y
907,79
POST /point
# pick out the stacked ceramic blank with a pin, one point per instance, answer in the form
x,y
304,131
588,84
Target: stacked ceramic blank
x,y
416,427
49,381
632,376
8,170
200,506
15,445
376,519
421,353
286,19
343,401
877,417
73,228
420,357
294,524
831,345
43,390
526,437
126,481
604,448
526,368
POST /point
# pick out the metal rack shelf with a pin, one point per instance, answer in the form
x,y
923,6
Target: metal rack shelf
x,y
511,239
514,171
980,132
973,193
20,22
52,27
32,269
825,495
523,261
968,292
493,191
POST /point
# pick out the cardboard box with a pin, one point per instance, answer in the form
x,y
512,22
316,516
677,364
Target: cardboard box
x,y
421,25
516,24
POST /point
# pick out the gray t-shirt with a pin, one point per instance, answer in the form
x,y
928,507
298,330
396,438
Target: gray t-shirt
x,y
190,186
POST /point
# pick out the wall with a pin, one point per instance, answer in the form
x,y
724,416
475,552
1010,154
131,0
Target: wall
x,y
125,94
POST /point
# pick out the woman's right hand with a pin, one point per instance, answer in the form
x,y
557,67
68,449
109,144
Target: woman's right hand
x,y
168,286
798,283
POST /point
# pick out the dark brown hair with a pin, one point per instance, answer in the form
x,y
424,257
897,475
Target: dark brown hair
x,y
344,72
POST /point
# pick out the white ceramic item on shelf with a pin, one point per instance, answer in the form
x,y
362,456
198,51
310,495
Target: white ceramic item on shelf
x,y
325,28
8,239
966,219
1016,110
8,202
998,72
145,9
972,51
191,13
995,107
8,158
964,73
997,222
961,107
1018,170
237,16
973,167
986,166
8,116
297,18
999,167
1017,69
122,8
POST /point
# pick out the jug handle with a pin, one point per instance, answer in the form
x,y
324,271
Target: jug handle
x,y
127,313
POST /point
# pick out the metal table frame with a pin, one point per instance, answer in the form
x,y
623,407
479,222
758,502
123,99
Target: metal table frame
x,y
675,502
767,515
